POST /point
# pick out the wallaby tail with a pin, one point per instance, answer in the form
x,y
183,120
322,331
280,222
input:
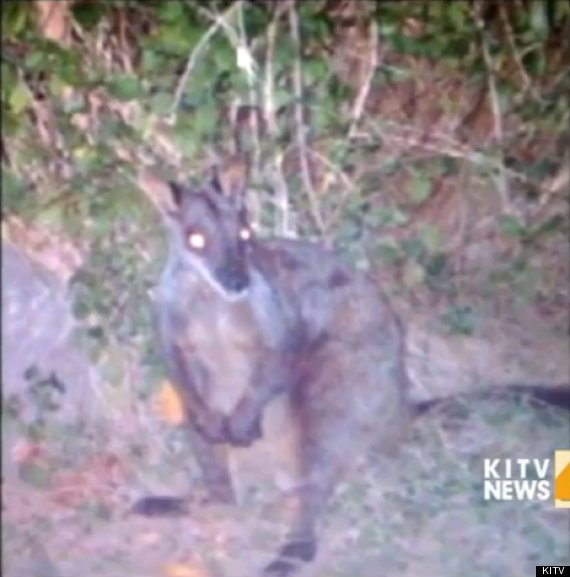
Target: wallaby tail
x,y
553,395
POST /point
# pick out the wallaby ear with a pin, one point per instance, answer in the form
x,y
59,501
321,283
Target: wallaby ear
x,y
231,179
176,193
165,196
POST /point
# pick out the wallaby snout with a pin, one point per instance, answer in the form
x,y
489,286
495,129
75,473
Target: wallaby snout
x,y
232,269
233,275
223,265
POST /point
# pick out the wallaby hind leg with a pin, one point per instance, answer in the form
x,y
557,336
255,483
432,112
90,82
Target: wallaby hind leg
x,y
213,463
320,471
321,463
352,397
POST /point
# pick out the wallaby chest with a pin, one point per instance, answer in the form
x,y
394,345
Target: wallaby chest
x,y
219,337
230,340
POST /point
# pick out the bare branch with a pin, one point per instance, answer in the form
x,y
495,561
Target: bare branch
x,y
362,95
502,179
300,120
512,45
219,22
283,226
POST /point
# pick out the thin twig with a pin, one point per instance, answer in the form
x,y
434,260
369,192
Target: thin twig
x,y
527,84
440,143
502,180
300,120
248,65
283,224
364,91
269,111
193,58
349,185
221,20
244,58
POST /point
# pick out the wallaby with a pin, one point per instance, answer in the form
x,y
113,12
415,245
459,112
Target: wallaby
x,y
268,318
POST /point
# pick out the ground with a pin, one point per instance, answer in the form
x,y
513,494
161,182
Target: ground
x,y
420,512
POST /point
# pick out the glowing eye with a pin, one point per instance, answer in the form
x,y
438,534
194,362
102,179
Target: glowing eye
x,y
196,240
245,234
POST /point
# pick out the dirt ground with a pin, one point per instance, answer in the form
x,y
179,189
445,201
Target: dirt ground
x,y
421,512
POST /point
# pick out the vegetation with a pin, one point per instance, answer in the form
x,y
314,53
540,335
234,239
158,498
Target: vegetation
x,y
427,139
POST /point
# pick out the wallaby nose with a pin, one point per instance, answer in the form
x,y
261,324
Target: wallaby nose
x,y
238,283
234,277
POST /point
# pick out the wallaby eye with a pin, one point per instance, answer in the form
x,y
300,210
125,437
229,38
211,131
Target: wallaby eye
x,y
245,233
196,240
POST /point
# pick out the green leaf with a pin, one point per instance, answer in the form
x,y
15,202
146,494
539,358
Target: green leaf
x,y
8,79
459,320
171,12
561,10
185,144
14,19
386,217
283,56
420,188
56,85
457,14
321,118
432,238
538,19
414,248
223,56
178,38
283,97
13,190
205,121
108,128
11,123
315,70
125,87
510,226
389,252
149,60
89,14
437,266
75,104
35,60
20,98
161,102
68,66
414,274
52,216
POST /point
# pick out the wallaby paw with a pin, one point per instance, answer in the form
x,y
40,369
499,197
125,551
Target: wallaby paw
x,y
280,568
290,558
243,438
212,427
161,506
242,432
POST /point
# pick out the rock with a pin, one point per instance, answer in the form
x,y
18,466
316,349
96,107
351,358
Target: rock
x,y
499,354
37,325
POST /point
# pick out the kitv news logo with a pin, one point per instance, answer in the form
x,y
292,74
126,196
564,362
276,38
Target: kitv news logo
x,y
518,479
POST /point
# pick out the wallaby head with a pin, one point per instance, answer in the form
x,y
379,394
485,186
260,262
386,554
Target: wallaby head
x,y
209,231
